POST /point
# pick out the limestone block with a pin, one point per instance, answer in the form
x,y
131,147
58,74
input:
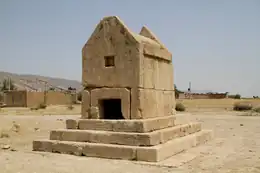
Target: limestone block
x,y
110,151
158,52
93,112
112,93
128,126
42,145
67,148
155,103
123,138
71,124
56,135
85,104
151,154
163,151
141,125
135,102
179,131
70,135
92,124
162,82
152,74
110,38
153,124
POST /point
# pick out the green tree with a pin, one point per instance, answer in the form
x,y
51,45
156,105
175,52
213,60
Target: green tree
x,y
7,84
177,92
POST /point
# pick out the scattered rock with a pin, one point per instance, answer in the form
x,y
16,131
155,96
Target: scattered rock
x,y
16,127
12,149
241,124
4,134
5,147
36,129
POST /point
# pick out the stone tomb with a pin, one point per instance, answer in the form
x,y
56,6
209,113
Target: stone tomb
x,y
128,102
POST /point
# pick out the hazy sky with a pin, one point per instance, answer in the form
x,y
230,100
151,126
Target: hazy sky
x,y
215,43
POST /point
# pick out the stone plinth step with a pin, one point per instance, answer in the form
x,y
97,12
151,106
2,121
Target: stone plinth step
x,y
140,126
126,138
112,151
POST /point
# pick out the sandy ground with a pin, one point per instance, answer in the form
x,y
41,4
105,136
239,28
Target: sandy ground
x,y
235,148
50,110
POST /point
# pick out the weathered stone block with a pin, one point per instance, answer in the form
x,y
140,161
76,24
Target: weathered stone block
x,y
149,154
65,147
141,126
92,124
93,113
85,104
179,131
163,151
110,151
155,103
42,145
112,93
125,138
71,124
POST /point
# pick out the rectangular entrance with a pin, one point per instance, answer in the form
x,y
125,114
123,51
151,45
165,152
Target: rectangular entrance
x,y
110,109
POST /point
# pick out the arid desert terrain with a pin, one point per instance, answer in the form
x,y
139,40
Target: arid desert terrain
x,y
234,149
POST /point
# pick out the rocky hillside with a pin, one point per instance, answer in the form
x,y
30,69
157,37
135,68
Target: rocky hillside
x,y
19,80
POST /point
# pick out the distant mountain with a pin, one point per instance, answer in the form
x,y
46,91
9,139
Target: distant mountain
x,y
22,81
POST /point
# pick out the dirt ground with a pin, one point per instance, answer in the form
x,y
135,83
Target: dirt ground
x,y
50,110
234,149
215,104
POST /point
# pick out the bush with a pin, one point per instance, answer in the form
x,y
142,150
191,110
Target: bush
x,y
257,109
180,107
42,106
237,96
242,106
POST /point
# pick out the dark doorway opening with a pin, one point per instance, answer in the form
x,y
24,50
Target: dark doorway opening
x,y
111,109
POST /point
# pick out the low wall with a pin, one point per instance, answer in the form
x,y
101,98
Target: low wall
x,y
15,98
1,97
59,98
33,99
203,96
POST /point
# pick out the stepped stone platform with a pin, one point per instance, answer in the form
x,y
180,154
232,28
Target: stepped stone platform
x,y
128,101
150,140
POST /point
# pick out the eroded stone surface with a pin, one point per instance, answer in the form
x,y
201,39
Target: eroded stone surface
x,y
85,104
136,68
140,126
126,138
71,124
93,112
149,154
112,93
